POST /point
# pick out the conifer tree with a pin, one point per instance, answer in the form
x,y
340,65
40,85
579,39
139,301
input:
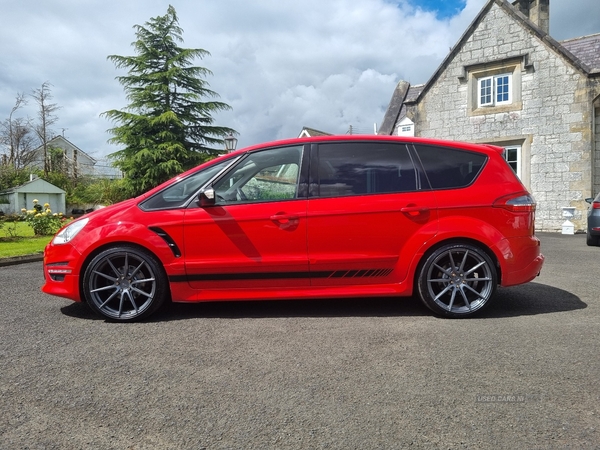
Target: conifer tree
x,y
168,125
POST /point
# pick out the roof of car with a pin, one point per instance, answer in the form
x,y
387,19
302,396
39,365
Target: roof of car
x,y
373,138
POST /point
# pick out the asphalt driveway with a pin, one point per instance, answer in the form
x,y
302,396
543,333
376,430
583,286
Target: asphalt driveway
x,y
356,374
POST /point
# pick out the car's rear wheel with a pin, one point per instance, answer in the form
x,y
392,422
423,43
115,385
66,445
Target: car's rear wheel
x,y
457,280
125,284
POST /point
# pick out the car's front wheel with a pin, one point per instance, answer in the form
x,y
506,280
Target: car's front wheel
x,y
457,280
124,284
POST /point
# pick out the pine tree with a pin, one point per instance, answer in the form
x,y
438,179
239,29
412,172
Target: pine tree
x,y
167,127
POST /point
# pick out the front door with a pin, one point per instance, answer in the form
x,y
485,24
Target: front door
x,y
255,234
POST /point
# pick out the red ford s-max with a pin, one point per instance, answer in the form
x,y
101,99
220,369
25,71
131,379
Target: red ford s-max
x,y
335,216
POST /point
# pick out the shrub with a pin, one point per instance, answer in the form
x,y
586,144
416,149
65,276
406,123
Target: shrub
x,y
43,221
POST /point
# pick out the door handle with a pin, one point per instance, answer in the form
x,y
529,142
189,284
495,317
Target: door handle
x,y
283,218
286,222
413,210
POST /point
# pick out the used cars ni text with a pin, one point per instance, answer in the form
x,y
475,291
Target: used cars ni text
x,y
326,217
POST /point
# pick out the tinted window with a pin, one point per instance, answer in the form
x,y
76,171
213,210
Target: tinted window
x,y
364,168
178,194
265,175
450,168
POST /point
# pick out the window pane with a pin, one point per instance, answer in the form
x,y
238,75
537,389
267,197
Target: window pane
x,y
448,167
364,168
485,91
178,194
511,154
262,176
502,89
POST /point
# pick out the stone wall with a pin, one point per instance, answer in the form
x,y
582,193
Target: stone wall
x,y
596,188
551,118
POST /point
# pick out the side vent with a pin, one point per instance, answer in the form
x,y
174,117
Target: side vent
x,y
168,239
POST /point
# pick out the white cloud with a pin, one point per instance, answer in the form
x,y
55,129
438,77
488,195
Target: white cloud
x,y
281,65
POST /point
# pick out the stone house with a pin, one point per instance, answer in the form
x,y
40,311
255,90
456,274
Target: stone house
x,y
507,82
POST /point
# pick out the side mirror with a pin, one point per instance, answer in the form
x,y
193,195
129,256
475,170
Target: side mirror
x,y
207,197
589,200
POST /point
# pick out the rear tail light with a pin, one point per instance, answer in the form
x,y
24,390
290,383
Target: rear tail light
x,y
519,202
596,205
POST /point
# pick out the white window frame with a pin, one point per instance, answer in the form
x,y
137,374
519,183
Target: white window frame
x,y
515,163
491,84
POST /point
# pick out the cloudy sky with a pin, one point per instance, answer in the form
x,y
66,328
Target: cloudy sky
x,y
280,64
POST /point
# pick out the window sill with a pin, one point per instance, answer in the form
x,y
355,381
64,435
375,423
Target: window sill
x,y
487,110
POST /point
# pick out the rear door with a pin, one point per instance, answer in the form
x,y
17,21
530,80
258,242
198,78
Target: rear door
x,y
365,202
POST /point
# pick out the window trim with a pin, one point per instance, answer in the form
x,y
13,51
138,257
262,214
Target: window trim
x,y
476,75
493,86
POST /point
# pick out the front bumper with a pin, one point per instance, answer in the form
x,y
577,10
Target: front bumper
x,y
61,271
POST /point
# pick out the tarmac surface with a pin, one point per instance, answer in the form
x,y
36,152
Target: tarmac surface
x,y
344,374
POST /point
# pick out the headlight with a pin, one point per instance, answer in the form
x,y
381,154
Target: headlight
x,y
69,232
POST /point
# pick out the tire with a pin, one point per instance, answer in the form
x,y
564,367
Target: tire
x,y
592,241
457,280
125,284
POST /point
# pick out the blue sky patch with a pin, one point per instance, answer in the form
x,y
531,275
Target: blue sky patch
x,y
443,8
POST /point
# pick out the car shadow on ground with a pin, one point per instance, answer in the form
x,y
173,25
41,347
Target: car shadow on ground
x,y
524,300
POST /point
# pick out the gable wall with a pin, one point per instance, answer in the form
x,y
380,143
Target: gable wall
x,y
85,165
554,125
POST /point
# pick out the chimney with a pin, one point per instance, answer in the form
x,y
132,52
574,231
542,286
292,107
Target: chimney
x,y
538,11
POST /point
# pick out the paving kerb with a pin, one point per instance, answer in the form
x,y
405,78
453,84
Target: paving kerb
x,y
21,259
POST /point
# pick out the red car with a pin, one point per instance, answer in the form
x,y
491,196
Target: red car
x,y
325,217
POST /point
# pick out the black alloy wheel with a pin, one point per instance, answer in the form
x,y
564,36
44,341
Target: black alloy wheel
x,y
457,280
125,284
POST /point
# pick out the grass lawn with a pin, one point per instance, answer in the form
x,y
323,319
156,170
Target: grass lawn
x,y
17,239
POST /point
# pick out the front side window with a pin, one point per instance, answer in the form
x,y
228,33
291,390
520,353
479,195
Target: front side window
x,y
495,90
449,168
266,175
359,168
180,193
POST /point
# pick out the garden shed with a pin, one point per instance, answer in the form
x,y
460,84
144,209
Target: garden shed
x,y
19,197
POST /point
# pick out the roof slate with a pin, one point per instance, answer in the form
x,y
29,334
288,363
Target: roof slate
x,y
586,49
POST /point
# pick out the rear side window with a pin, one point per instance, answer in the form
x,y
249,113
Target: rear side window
x,y
448,168
358,168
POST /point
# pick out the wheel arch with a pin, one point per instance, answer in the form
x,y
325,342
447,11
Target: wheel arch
x,y
455,240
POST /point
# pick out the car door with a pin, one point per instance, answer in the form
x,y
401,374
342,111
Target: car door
x,y
255,233
365,204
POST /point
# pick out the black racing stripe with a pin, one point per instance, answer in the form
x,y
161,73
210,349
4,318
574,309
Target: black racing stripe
x,y
240,276
365,273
